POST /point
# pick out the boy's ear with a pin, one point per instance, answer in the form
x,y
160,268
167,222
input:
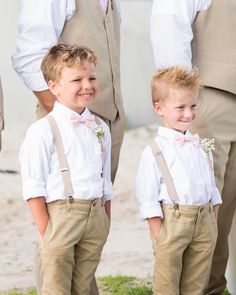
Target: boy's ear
x,y
158,108
52,85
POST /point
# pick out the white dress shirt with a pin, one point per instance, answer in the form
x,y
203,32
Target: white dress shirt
x,y
190,170
40,25
171,30
40,170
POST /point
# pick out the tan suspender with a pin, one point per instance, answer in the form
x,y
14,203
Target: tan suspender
x,y
61,156
161,163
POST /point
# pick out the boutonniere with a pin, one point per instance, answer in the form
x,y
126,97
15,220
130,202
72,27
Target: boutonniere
x,y
100,133
208,145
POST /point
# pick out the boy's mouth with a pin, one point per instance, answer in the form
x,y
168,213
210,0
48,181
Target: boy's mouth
x,y
85,94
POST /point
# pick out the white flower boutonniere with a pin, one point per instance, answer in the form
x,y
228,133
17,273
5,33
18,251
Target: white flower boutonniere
x,y
100,133
208,145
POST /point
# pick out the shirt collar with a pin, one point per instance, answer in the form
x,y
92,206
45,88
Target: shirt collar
x,y
66,112
170,133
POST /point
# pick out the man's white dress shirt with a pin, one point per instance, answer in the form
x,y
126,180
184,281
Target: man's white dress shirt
x,y
190,170
40,170
171,30
40,25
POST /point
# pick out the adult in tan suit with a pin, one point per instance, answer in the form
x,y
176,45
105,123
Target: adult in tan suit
x,y
1,114
94,24
202,33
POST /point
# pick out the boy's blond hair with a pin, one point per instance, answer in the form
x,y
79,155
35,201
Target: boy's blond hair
x,y
174,77
64,55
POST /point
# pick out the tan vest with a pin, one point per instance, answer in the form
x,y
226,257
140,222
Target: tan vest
x,y
90,27
214,45
1,113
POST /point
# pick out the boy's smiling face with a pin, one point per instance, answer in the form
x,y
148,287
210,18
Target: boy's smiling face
x,y
178,110
77,86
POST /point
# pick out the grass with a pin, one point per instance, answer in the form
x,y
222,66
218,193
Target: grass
x,y
111,285
123,285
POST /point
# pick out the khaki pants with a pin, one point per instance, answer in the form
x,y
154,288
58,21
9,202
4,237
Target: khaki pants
x,y
71,247
217,120
183,251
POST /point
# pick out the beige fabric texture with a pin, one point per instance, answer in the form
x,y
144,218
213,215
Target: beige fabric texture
x,y
216,119
71,247
184,249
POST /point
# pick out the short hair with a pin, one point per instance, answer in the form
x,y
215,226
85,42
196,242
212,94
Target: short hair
x,y
64,55
174,77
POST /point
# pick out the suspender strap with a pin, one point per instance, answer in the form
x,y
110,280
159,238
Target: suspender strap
x,y
97,120
61,157
161,163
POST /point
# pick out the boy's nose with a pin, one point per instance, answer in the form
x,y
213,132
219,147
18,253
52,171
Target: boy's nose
x,y
86,84
188,113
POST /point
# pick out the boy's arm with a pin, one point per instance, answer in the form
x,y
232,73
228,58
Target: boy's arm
x,y
155,226
108,191
40,214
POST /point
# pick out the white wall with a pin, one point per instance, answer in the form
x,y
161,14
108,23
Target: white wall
x,y
137,65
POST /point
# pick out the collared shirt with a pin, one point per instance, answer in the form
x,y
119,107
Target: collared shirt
x,y
40,170
171,30
40,25
190,170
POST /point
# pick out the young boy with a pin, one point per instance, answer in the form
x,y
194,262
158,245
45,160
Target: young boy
x,y
65,167
176,190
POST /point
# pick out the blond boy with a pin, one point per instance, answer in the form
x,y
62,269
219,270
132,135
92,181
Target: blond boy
x,y
176,190
68,201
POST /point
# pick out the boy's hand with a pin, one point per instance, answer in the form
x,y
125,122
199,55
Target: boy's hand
x,y
40,213
216,210
108,208
155,226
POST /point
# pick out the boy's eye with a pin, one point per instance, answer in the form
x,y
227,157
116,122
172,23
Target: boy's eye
x,y
93,79
193,107
180,107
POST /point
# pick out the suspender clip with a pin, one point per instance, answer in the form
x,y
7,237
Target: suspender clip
x,y
176,206
157,154
70,199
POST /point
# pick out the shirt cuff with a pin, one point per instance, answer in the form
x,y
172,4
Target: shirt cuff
x,y
35,82
216,198
33,189
108,190
150,209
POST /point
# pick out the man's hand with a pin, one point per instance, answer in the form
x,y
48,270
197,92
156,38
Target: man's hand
x,y
46,98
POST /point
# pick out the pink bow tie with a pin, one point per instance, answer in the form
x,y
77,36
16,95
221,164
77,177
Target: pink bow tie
x,y
194,139
89,121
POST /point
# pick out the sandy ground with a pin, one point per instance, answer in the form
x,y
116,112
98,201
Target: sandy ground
x,y
128,249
